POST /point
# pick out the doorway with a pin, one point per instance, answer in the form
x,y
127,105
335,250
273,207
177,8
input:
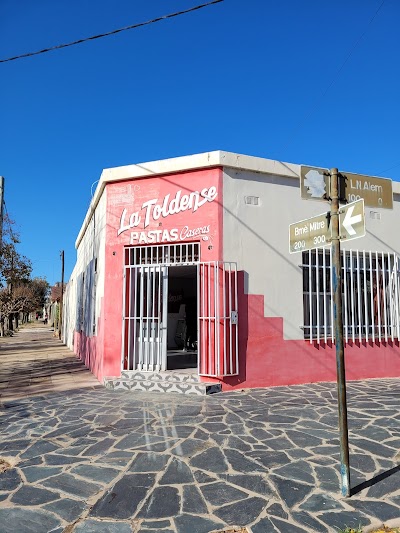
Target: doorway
x,y
179,313
182,318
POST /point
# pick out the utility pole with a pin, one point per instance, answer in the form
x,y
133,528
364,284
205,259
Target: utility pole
x,y
1,210
61,297
338,324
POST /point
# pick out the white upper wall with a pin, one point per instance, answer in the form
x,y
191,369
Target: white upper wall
x,y
173,165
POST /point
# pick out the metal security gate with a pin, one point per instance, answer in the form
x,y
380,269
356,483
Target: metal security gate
x,y
145,318
145,310
218,319
145,302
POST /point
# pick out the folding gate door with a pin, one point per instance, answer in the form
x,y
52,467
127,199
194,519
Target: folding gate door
x,y
145,318
218,319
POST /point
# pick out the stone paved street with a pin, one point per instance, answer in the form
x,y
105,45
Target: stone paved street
x,y
85,459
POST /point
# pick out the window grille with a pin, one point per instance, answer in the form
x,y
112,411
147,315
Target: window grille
x,y
370,288
171,254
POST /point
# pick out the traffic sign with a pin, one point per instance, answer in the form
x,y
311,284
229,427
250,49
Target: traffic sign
x,y
310,233
314,183
315,232
376,192
352,220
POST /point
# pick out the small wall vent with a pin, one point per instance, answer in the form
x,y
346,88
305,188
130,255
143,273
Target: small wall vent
x,y
252,200
375,215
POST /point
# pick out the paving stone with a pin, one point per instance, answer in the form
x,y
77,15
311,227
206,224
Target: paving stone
x,y
202,477
103,526
254,483
276,509
38,448
377,448
241,513
269,459
382,510
174,432
99,474
67,509
177,473
212,460
14,446
298,471
310,523
286,526
239,462
328,478
219,493
123,500
155,524
213,427
190,447
22,520
263,526
200,434
362,462
36,473
193,501
163,502
99,448
195,524
149,462
385,486
31,462
343,519
296,453
320,502
61,460
4,496
71,485
29,495
10,479
237,444
303,439
290,491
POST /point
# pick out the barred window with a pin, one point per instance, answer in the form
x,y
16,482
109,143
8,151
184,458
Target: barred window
x,y
370,289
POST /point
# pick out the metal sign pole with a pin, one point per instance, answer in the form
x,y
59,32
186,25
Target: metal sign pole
x,y
338,324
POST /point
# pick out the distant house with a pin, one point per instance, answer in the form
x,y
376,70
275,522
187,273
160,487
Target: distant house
x,y
184,280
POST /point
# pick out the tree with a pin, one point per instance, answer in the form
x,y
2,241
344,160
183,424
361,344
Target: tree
x,y
15,271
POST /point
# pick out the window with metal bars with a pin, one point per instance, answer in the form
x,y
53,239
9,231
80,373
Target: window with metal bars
x,y
163,255
370,288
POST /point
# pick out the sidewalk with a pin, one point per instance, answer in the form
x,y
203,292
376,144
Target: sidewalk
x,y
34,362
86,459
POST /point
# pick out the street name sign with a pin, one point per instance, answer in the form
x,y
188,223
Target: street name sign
x,y
352,220
310,233
316,232
314,183
376,192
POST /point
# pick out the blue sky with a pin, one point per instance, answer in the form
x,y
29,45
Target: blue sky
x,y
247,76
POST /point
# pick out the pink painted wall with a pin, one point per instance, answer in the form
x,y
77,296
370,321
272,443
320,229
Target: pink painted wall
x,y
90,350
266,359
201,222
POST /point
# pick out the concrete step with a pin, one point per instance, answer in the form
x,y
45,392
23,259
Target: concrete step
x,y
174,382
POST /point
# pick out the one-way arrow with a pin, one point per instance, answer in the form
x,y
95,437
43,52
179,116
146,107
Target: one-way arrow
x,y
352,221
349,220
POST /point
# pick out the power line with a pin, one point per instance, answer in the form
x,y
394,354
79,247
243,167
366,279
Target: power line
x,y
113,32
390,168
319,100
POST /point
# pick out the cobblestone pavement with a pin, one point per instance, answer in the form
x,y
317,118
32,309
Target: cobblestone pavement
x,y
93,460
